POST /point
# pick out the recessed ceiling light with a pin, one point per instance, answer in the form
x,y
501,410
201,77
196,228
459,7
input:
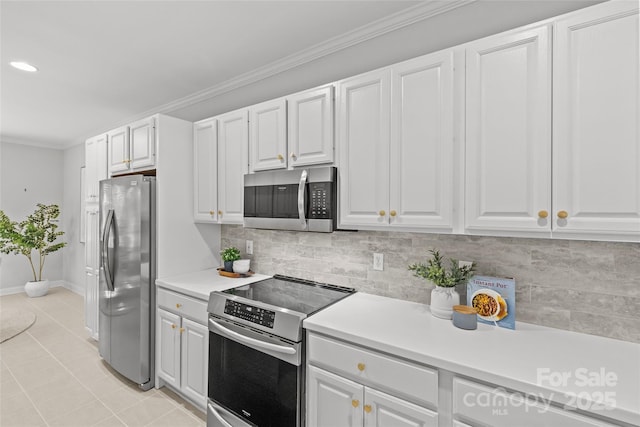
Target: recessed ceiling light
x,y
23,66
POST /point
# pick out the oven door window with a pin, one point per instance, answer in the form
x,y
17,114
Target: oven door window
x,y
256,386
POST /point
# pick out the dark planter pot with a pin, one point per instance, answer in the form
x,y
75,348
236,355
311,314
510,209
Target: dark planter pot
x,y
228,266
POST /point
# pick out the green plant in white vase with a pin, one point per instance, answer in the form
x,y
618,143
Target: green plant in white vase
x,y
229,255
443,296
38,232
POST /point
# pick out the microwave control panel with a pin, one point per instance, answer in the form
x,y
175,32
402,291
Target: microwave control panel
x,y
256,315
321,199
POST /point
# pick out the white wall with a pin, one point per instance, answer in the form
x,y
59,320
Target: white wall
x,y
73,253
30,175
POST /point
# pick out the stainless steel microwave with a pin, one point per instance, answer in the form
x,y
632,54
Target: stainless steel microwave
x,y
298,200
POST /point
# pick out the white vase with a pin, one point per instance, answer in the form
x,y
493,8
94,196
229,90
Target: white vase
x,y
443,300
37,289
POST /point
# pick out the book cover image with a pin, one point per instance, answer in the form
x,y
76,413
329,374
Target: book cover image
x,y
495,300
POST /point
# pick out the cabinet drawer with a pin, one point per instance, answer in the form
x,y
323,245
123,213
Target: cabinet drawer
x,y
398,377
473,402
183,305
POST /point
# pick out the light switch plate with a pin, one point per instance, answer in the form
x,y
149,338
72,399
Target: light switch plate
x,y
249,247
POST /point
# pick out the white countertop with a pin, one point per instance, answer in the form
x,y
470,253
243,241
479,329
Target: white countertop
x,y
201,283
529,359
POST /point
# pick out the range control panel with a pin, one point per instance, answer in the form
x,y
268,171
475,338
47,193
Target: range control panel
x,y
256,315
321,200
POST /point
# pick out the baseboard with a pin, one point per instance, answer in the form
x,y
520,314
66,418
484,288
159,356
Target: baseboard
x,y
11,291
76,289
52,284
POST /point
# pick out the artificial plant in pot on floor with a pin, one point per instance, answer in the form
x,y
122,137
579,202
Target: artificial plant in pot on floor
x,y
38,232
444,296
228,256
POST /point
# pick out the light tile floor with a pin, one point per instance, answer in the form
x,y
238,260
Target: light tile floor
x,y
52,375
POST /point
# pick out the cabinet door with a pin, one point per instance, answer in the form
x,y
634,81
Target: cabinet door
x,y
363,147
233,159
596,144
143,144
195,347
205,163
168,347
508,133
119,150
384,410
91,170
92,241
332,400
268,124
421,154
91,304
310,127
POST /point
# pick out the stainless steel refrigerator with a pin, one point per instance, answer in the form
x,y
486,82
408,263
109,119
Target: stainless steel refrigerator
x,y
127,276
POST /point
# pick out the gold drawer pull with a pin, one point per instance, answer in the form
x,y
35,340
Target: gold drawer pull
x,y
280,157
562,214
361,367
220,213
178,305
393,213
355,403
212,213
367,408
173,326
382,213
543,214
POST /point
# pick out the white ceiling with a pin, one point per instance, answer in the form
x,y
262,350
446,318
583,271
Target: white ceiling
x,y
103,64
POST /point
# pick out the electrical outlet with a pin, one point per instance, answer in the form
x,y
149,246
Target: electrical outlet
x,y
464,264
249,247
378,262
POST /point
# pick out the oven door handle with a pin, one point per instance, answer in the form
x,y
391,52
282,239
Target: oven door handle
x,y
215,413
250,341
301,187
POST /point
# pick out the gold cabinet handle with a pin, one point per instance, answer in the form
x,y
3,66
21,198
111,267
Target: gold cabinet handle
x,y
361,367
181,330
178,305
292,155
220,213
355,403
382,213
211,213
543,214
393,213
367,408
173,326
280,157
562,214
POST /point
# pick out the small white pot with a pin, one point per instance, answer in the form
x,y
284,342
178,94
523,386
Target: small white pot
x,y
37,289
443,300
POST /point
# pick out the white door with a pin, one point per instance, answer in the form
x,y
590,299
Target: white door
x,y
421,153
508,133
332,400
91,304
310,127
363,145
596,140
143,144
168,347
195,350
92,241
268,135
233,159
119,150
380,409
205,171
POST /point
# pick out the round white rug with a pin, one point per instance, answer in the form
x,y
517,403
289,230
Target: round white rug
x,y
13,321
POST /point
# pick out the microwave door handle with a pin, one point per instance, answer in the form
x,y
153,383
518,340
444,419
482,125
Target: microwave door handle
x,y
106,262
250,341
215,413
301,188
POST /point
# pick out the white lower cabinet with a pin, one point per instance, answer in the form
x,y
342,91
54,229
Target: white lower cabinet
x,y
366,388
182,345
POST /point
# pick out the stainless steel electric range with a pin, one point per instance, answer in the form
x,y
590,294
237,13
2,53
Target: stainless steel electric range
x,y
257,350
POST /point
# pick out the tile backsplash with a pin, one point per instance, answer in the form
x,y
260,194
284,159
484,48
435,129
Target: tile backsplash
x,y
583,286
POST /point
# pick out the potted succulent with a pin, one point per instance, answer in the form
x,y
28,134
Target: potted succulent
x,y
38,232
444,296
229,255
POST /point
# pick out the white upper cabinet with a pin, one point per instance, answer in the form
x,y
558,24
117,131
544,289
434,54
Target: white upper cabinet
x,y
596,141
233,160
133,148
508,133
363,122
422,142
268,123
205,169
95,166
396,145
310,127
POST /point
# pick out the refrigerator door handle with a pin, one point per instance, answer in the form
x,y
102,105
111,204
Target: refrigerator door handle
x,y
106,262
